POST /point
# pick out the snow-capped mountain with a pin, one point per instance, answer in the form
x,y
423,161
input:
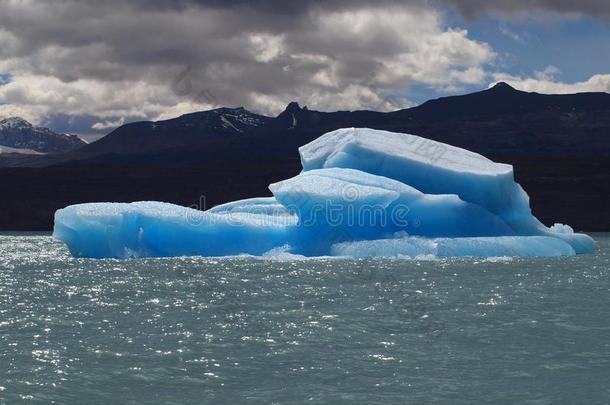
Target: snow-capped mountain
x,y
17,134
232,120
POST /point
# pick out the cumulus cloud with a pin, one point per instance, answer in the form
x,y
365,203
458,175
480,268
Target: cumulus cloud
x,y
156,59
546,82
36,96
108,124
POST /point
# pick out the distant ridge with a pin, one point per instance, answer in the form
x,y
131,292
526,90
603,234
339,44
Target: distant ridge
x,y
499,121
19,135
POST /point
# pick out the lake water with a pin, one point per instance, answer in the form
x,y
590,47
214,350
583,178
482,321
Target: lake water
x,y
244,330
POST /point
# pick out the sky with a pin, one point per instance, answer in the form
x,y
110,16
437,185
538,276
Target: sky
x,y
87,67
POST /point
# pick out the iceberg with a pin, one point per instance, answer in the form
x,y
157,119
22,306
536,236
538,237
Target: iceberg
x,y
361,193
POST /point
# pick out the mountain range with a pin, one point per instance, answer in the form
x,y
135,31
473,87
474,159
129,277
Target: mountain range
x,y
19,136
559,145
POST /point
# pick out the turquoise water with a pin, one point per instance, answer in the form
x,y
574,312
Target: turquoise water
x,y
244,330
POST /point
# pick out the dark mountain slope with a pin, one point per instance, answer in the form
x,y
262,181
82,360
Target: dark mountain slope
x,y
188,131
499,122
502,121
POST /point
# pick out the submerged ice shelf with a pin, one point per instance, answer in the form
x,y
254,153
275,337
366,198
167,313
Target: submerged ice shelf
x,y
362,192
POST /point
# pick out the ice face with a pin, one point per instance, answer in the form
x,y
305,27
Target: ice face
x,y
360,193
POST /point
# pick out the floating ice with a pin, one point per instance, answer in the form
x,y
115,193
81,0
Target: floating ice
x,y
361,191
153,229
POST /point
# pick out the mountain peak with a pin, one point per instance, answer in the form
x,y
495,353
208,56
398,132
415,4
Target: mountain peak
x,y
17,133
502,86
292,107
290,116
14,122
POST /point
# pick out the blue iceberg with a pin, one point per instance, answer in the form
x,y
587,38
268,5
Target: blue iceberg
x,y
154,229
361,193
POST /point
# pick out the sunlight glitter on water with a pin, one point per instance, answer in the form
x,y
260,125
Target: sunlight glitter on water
x,y
187,330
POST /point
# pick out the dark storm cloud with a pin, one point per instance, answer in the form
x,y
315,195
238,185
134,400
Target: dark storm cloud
x,y
599,9
470,8
281,7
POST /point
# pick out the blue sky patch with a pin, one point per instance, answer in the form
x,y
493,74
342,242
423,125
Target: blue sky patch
x,y
5,78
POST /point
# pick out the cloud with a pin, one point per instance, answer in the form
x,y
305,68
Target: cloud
x,y
157,58
36,96
546,82
598,9
108,124
510,33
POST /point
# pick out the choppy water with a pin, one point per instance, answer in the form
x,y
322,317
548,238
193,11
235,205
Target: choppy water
x,y
243,330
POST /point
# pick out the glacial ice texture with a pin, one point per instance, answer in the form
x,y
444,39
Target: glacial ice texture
x,y
362,192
